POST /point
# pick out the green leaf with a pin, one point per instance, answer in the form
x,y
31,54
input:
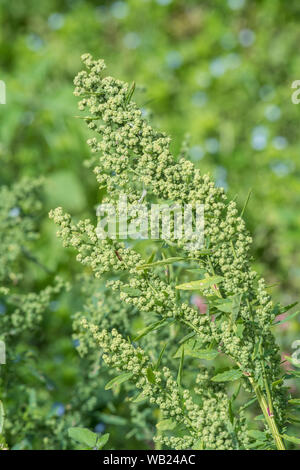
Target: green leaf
x,y
294,440
152,327
258,435
160,357
228,376
192,349
83,436
140,397
1,417
277,382
101,441
151,376
131,291
179,375
230,305
286,308
295,401
112,419
259,417
130,93
224,305
293,361
201,283
296,373
288,318
198,445
162,262
236,303
293,418
166,425
118,380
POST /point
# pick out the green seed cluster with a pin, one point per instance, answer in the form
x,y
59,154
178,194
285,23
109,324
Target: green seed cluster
x,y
130,156
198,424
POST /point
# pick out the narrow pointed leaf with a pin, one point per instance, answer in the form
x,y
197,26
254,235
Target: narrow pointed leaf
x,y
118,380
201,283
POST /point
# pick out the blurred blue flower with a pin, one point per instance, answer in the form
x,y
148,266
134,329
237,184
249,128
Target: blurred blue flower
x,y
217,67
119,10
246,37
199,99
259,137
281,168
54,304
266,92
14,212
34,42
272,112
164,2
59,409
196,152
56,21
99,428
220,175
212,145
174,59
279,142
2,308
236,4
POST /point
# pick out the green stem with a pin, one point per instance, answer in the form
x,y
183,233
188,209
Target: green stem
x,y
269,417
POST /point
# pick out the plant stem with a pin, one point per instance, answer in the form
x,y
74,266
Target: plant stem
x,y
268,417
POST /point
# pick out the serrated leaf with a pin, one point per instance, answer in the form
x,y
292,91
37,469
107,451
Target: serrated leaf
x,y
166,425
201,283
83,436
118,380
228,376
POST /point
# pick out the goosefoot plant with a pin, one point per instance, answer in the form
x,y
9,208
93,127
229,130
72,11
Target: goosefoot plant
x,y
196,411
21,315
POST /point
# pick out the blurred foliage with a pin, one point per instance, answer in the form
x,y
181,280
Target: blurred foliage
x,y
220,71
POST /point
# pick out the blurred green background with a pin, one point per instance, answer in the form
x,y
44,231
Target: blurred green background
x,y
216,72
